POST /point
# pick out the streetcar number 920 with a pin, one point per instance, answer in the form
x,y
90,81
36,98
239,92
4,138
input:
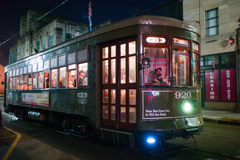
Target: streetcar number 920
x,y
183,94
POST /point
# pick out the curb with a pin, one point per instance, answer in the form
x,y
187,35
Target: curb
x,y
229,121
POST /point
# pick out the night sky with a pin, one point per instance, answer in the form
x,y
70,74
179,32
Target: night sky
x,y
76,10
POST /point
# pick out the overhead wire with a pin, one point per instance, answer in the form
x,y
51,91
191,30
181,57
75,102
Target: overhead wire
x,y
34,22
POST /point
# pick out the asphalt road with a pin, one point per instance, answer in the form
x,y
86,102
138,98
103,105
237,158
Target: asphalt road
x,y
30,140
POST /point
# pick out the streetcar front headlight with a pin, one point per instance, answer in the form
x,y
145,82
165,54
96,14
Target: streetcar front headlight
x,y
151,140
187,107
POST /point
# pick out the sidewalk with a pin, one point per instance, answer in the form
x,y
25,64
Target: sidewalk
x,y
225,117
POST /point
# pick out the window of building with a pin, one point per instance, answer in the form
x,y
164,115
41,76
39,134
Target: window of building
x,y
68,36
212,22
37,45
44,43
50,40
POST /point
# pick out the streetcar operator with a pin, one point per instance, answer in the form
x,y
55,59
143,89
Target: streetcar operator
x,y
158,78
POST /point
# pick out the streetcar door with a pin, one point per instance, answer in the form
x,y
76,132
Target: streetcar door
x,y
119,84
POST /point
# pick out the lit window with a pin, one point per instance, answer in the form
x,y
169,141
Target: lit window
x,y
157,72
62,77
21,82
29,81
17,83
40,80
83,74
54,78
46,79
25,82
72,79
34,79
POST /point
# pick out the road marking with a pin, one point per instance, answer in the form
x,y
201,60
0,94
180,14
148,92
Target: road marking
x,y
6,156
8,137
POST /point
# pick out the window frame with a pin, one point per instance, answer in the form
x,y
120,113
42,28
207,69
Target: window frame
x,y
207,22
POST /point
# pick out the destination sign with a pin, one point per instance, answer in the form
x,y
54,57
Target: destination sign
x,y
156,40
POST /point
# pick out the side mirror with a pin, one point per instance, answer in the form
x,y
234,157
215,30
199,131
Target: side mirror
x,y
145,62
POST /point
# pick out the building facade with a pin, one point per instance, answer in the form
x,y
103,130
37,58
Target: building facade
x,y
2,79
217,21
38,35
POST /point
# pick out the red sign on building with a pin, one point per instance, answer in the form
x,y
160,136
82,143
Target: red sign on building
x,y
228,85
212,85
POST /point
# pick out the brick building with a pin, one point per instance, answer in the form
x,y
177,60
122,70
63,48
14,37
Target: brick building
x,y
217,21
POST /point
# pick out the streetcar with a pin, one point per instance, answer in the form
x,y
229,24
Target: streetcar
x,y
132,81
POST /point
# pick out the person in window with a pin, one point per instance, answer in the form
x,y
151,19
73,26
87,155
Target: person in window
x,y
158,78
81,78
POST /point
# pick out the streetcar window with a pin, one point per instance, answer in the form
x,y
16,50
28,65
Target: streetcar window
x,y
62,77
46,79
72,79
105,111
195,70
105,96
62,60
158,59
105,72
123,114
34,79
105,52
113,71
46,64
123,70
113,112
113,51
29,81
40,80
123,97
54,61
83,74
123,50
25,82
71,58
132,96
132,115
17,83
21,82
181,67
132,69
113,96
10,83
14,83
54,78
132,47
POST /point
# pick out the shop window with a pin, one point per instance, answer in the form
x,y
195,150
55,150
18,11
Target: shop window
x,y
209,60
54,80
159,63
25,82
40,80
181,67
83,74
229,58
62,77
29,81
21,82
34,79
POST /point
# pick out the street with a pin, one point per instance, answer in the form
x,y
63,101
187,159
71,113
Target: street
x,y
30,140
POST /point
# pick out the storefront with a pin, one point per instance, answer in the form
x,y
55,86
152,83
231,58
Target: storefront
x,y
218,76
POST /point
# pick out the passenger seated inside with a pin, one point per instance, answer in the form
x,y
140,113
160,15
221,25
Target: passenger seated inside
x,y
158,76
81,78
